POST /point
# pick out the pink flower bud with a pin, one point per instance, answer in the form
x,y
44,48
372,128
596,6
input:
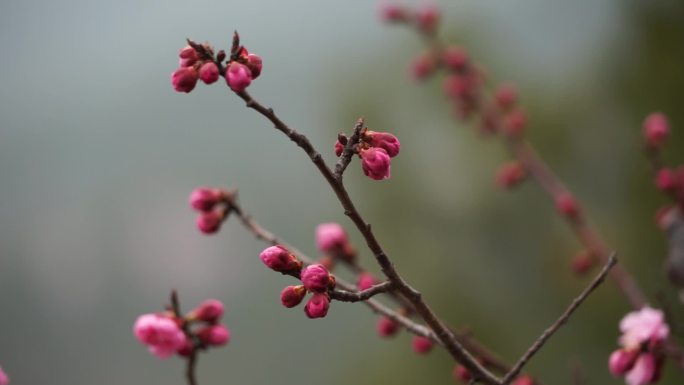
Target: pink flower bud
x,y
656,129
375,163
339,148
184,79
162,334
455,58
510,174
292,296
621,361
582,262
187,348
330,237
316,278
188,56
204,199
386,327
666,180
428,18
523,380
421,345
644,371
209,222
423,66
210,311
254,65
461,373
214,335
4,378
506,96
317,306
238,76
366,281
384,140
514,123
280,259
458,86
392,12
327,261
209,72
567,205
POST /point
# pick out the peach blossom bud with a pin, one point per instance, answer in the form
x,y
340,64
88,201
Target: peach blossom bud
x,y
188,56
366,281
510,174
317,306
423,66
339,148
375,163
386,141
209,222
292,296
455,58
506,96
254,65
621,361
567,205
161,334
392,12
204,199
421,345
184,79
210,311
666,180
330,237
428,18
238,76
209,72
656,129
214,335
582,262
644,371
514,122
280,259
4,378
461,373
386,327
523,380
187,348
316,278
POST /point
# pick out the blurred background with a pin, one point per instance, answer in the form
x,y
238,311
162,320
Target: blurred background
x,y
98,155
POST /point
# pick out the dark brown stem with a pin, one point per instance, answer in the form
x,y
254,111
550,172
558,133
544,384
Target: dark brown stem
x,y
190,368
363,295
349,150
551,330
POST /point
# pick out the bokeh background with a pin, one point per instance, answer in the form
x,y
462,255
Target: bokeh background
x,y
98,156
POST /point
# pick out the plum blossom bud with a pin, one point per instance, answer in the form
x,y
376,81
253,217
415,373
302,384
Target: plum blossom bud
x,y
204,199
428,18
210,311
523,380
209,222
330,237
317,306
386,327
316,278
390,12
366,281
421,345
666,180
187,348
645,370
375,163
238,76
461,373
384,140
188,56
4,378
510,174
567,205
292,296
514,122
656,129
621,361
254,65
215,335
162,334
184,79
339,148
455,58
280,259
506,96
423,66
209,72
458,86
582,262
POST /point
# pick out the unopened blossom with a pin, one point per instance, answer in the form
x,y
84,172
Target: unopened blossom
x,y
423,66
317,306
330,237
514,122
316,278
645,370
210,310
339,148
567,205
421,345
292,296
390,12
366,281
455,58
582,262
375,163
188,56
510,174
238,76
506,96
622,361
428,17
204,198
384,140
386,327
254,64
209,72
461,373
656,129
280,259
4,378
214,335
459,86
666,180
160,333
209,222
184,79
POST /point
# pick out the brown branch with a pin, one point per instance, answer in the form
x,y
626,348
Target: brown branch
x,y
349,150
191,363
539,343
363,295
190,368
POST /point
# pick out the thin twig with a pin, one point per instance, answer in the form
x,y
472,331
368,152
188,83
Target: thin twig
x,y
363,295
190,368
559,322
349,150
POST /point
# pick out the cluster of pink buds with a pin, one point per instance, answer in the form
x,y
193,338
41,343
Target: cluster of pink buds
x,y
315,279
333,241
198,62
640,359
213,206
376,149
426,17
167,333
670,181
4,378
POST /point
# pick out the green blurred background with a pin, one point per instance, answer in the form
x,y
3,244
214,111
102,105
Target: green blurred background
x,y
98,156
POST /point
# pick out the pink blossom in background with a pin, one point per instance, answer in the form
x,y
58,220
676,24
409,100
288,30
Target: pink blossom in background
x,y
4,378
386,327
421,345
215,335
160,333
204,198
330,237
366,281
211,310
656,129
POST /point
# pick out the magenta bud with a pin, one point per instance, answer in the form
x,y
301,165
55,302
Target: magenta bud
x,y
621,361
506,96
4,378
656,129
455,58
366,281
510,175
160,333
210,311
390,12
423,66
666,180
582,262
645,370
209,222
428,18
184,79
187,348
292,296
514,122
280,259
317,306
384,140
316,278
330,237
204,199
386,327
214,335
238,76
209,72
567,205
523,380
339,148
254,65
421,345
375,163
461,373
188,56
